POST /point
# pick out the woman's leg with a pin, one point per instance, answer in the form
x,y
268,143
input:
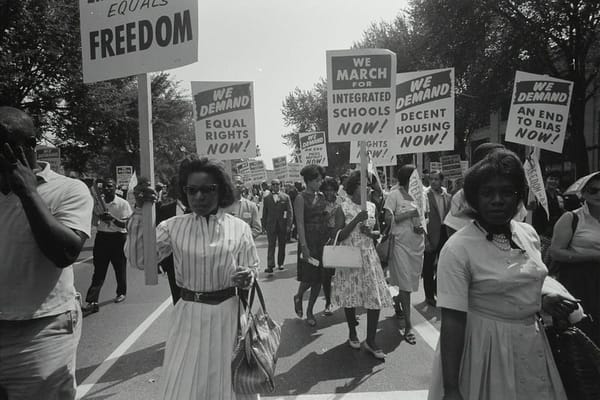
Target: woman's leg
x,y
302,288
315,289
404,298
351,321
327,288
372,322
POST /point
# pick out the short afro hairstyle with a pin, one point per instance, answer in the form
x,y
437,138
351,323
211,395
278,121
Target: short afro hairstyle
x,y
213,168
329,183
499,163
312,172
352,183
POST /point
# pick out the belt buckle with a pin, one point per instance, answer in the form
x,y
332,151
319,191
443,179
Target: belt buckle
x,y
197,296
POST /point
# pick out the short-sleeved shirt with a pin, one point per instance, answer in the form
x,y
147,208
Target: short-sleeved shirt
x,y
397,204
475,275
118,208
32,286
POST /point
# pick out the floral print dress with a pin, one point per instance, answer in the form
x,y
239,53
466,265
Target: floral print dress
x,y
361,287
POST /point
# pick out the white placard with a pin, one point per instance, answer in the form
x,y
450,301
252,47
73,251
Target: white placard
x,y
539,111
224,119
425,111
360,94
313,147
280,167
124,38
124,173
381,152
535,180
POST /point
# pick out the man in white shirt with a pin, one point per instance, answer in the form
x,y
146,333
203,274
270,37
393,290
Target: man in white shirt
x,y
108,246
46,219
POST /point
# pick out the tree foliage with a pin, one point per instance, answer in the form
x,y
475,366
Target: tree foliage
x,y
95,125
306,111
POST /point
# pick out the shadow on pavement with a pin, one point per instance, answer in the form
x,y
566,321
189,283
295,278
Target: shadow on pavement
x,y
128,367
428,312
353,365
295,335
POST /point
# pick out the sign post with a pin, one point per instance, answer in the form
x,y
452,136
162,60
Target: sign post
x,y
147,169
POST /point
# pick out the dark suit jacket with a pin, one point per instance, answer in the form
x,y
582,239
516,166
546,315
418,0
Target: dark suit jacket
x,y
436,219
277,214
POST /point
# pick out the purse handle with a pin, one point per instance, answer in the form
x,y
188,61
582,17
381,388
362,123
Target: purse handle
x,y
337,235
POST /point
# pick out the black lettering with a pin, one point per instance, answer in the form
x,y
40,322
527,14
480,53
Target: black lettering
x,y
106,37
145,34
166,39
93,43
119,39
130,27
182,31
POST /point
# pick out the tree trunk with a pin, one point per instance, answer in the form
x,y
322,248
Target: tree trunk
x,y
578,133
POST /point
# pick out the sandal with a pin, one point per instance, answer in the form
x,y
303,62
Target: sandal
x,y
377,353
328,310
298,306
310,320
410,338
354,343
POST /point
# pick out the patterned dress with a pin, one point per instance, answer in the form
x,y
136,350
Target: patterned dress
x,y
361,287
316,234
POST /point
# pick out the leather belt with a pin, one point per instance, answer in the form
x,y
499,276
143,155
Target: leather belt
x,y
212,298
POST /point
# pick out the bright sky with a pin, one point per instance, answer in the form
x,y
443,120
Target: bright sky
x,y
280,45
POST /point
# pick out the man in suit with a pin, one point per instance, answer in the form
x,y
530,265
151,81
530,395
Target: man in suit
x,y
439,205
277,220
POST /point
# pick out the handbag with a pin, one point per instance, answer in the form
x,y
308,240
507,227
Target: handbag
x,y
384,249
336,256
255,353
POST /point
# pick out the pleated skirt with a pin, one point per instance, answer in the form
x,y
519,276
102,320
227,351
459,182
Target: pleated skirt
x,y
199,351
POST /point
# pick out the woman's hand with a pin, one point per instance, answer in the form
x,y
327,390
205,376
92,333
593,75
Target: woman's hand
x,y
557,306
305,252
365,230
418,230
361,216
242,277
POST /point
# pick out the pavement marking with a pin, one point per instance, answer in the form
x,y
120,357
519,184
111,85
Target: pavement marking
x,y
424,328
84,260
95,376
396,395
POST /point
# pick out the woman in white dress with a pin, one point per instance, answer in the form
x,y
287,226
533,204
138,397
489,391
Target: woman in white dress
x,y
360,287
406,262
214,256
490,278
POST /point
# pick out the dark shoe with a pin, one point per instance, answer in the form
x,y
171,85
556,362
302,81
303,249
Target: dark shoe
x,y
119,298
311,321
91,308
269,270
298,306
377,353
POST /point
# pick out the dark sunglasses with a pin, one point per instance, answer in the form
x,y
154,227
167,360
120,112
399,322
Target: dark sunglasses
x,y
592,190
204,189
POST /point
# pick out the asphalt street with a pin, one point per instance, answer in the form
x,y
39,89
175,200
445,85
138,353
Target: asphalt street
x,y
122,346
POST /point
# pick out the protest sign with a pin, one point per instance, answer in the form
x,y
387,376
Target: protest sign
x,y
380,151
224,119
313,147
293,172
451,166
280,167
124,173
243,170
539,111
435,166
464,166
533,173
124,38
417,192
360,94
51,155
257,173
425,111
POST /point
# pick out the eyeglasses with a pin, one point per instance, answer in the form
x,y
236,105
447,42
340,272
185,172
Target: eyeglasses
x,y
204,189
592,190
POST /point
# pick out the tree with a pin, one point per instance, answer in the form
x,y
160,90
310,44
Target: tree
x,y
488,40
306,111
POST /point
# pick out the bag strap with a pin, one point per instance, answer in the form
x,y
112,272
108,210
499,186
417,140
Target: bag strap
x,y
256,290
574,223
335,241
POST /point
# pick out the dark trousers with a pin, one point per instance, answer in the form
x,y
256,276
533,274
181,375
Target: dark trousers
x,y
278,235
430,267
108,248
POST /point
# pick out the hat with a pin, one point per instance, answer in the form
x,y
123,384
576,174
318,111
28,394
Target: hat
x,y
580,184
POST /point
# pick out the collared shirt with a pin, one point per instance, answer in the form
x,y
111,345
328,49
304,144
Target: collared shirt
x,y
248,212
121,210
439,200
31,286
206,251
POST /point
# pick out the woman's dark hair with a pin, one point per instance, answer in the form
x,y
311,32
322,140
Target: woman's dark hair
x,y
329,183
404,173
352,183
484,149
312,172
213,168
594,178
499,163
